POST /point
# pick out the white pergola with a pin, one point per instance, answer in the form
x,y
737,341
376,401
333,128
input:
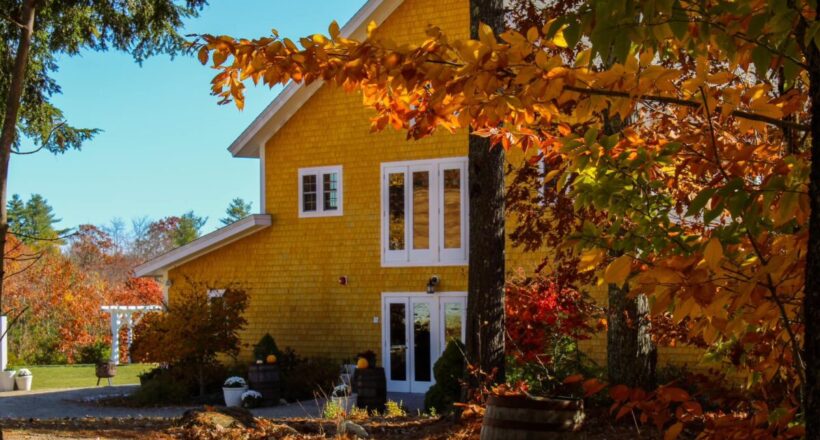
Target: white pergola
x,y
124,315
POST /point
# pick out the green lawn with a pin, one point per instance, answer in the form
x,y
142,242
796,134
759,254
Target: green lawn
x,y
78,376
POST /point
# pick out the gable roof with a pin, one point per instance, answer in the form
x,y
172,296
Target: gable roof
x,y
293,96
202,245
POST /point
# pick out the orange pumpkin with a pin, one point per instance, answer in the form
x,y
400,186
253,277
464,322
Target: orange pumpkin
x,y
362,363
271,359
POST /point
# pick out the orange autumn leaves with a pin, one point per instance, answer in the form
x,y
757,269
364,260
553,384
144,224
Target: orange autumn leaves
x,y
58,298
702,183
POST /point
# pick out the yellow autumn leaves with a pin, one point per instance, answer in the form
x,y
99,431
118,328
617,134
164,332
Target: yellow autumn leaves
x,y
619,270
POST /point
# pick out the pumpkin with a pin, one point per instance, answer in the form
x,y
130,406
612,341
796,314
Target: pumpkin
x,y
271,359
362,363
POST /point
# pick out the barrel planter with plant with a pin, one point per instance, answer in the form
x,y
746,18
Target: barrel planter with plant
x,y
532,418
264,376
105,370
265,379
369,383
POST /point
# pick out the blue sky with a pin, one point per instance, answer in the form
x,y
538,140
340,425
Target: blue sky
x,y
163,148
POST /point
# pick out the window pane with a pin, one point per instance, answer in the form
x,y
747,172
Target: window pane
x,y
452,322
398,343
396,210
421,342
452,208
309,192
421,210
330,184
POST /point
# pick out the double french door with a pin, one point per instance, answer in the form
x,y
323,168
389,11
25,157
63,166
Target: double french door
x,y
416,328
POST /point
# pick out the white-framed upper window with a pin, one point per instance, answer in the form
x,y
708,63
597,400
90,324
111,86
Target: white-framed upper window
x,y
424,212
320,191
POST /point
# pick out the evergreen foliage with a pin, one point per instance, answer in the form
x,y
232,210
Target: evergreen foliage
x,y
33,221
237,210
449,373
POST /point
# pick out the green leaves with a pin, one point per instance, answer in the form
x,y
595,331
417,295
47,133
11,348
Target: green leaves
x,y
700,201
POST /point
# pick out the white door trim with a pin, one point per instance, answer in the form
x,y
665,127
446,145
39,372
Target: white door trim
x,y
436,304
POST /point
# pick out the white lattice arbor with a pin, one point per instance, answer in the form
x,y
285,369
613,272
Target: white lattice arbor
x,y
124,315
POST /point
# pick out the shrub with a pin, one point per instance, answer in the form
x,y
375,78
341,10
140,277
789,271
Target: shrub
x,y
48,353
175,384
160,387
449,372
93,353
302,377
192,331
266,346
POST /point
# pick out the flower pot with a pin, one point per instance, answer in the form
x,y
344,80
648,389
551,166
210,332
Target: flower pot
x,y
23,382
7,380
233,396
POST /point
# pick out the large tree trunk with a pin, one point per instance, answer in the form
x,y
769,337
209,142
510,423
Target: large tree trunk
x,y
630,353
9,133
485,304
811,301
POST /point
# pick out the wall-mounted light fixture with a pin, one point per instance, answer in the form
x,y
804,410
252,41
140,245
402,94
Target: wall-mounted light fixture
x,y
432,283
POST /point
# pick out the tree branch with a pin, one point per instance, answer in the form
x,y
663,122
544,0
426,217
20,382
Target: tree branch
x,y
45,142
692,104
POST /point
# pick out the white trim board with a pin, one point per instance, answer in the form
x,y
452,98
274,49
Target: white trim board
x,y
158,266
293,96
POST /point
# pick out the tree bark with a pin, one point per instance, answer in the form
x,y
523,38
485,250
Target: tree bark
x,y
9,132
485,304
811,300
631,355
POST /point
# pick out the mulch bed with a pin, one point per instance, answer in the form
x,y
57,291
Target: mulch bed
x,y
221,423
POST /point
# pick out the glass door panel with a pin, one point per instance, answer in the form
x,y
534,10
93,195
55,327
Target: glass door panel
x,y
397,358
424,342
453,316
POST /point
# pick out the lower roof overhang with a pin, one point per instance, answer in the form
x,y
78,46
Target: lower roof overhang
x,y
210,242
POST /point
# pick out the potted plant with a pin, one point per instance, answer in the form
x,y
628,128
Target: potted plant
x,y
232,389
342,397
7,379
252,399
105,368
23,379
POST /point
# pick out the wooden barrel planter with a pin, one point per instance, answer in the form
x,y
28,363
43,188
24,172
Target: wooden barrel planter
x,y
370,384
105,370
265,379
524,418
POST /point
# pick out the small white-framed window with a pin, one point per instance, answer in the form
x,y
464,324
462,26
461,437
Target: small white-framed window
x,y
424,212
320,191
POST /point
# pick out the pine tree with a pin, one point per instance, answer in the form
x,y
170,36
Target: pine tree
x,y
237,210
34,222
188,229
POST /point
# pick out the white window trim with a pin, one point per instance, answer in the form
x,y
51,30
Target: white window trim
x,y
216,293
437,256
320,199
